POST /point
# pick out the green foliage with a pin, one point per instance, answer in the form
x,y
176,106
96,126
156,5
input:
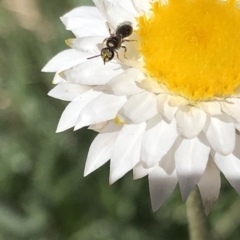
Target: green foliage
x,y
43,194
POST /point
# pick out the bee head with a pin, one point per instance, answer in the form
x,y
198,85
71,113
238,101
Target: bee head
x,y
107,54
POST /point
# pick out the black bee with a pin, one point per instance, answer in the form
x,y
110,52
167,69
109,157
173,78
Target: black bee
x,y
115,41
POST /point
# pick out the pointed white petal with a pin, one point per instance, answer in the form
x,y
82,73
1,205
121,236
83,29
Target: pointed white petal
x,y
64,58
139,171
67,91
236,151
98,126
142,6
101,148
70,115
168,162
213,108
57,78
92,72
125,4
191,159
209,185
139,108
84,11
151,86
230,167
221,134
90,44
177,101
165,110
190,121
232,108
124,83
161,186
114,14
90,28
237,126
157,140
85,21
102,108
126,151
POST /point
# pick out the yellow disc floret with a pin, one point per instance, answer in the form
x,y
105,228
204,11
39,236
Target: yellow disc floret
x,y
193,47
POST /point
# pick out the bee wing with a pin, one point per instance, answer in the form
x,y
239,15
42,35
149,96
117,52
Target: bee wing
x,y
122,24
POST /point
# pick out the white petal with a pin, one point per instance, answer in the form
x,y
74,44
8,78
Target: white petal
x,y
139,171
191,159
92,72
97,127
64,58
177,101
151,86
221,134
102,108
209,185
114,14
90,44
237,126
168,162
232,108
67,91
57,78
213,108
101,148
124,83
142,6
126,4
126,152
84,11
230,167
167,112
161,186
70,115
139,108
157,140
236,151
190,121
85,21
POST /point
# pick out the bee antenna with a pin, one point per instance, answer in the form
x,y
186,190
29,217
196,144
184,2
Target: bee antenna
x,y
94,56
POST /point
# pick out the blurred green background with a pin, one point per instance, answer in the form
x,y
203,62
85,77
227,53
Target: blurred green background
x,y
43,195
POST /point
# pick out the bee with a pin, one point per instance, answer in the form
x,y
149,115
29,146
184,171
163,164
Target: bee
x,y
115,41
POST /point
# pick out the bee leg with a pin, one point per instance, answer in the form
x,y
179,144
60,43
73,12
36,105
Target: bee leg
x,y
118,56
125,50
109,29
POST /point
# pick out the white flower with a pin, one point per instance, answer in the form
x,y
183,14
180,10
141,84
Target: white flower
x,y
170,110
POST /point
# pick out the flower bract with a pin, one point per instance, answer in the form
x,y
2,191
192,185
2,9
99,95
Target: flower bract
x,y
167,105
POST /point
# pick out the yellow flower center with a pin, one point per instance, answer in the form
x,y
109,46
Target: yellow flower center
x,y
193,47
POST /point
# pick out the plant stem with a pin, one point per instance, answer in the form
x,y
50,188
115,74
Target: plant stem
x,y
197,221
